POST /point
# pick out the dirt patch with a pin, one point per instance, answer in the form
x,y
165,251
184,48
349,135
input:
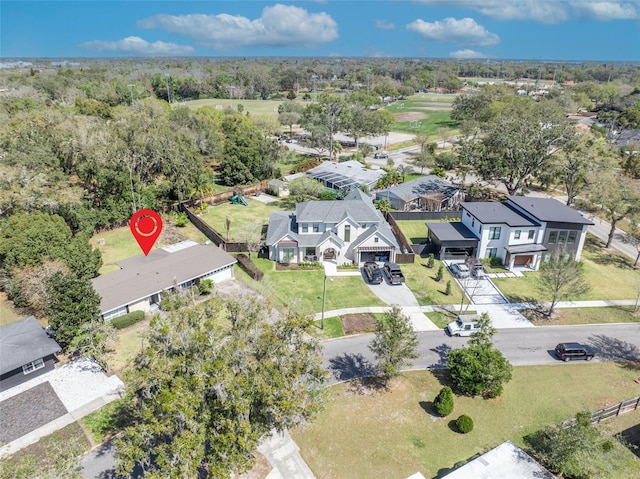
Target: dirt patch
x,y
410,116
260,470
358,323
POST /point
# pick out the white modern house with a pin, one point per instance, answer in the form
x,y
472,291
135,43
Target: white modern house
x,y
141,281
521,231
343,231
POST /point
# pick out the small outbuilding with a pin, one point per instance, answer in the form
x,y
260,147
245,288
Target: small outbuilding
x,y
452,240
26,351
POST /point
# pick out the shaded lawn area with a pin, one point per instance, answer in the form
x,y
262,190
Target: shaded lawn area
x,y
240,215
129,341
120,244
610,314
393,434
427,290
302,289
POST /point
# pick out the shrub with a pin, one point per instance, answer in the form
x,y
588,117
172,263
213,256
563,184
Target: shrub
x,y
430,261
127,320
205,286
247,265
440,273
181,220
464,424
443,403
447,290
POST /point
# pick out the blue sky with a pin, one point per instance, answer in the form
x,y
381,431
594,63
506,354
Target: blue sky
x,y
589,30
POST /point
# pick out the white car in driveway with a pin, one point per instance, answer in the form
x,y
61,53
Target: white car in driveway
x,y
460,270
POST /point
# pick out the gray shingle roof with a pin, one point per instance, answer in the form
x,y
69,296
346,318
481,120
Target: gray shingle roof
x,y
22,342
495,212
280,222
361,210
420,186
549,209
143,276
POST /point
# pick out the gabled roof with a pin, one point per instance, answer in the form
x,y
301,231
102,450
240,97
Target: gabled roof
x,y
360,209
377,230
22,342
143,276
549,210
628,137
419,187
280,223
495,212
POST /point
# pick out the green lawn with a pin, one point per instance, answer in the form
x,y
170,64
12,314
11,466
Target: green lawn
x,y
302,289
8,312
388,434
610,276
415,231
610,314
240,215
434,114
120,244
427,290
253,107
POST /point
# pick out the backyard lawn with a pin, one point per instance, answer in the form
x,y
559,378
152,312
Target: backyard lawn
x,y
302,289
118,244
239,215
393,434
414,231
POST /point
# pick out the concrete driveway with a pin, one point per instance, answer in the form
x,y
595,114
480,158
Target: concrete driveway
x,y
392,294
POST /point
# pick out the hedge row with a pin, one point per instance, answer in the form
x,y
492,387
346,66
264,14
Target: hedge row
x,y
127,319
247,265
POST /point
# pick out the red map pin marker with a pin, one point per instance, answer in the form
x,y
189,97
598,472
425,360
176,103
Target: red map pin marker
x,y
146,226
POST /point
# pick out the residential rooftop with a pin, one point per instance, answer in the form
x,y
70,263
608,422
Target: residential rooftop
x,y
549,210
496,212
22,342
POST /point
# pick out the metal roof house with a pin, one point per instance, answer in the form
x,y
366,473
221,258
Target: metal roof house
x,y
504,461
347,231
345,176
521,232
26,351
140,282
430,193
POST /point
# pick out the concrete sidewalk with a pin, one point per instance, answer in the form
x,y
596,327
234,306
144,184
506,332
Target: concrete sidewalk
x,y
284,456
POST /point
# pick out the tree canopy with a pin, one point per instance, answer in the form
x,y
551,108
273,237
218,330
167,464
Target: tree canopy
x,y
206,390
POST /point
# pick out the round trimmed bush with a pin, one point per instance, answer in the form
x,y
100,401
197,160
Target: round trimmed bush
x,y
464,424
443,403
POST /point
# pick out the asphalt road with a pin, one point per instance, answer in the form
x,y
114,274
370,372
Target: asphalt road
x,y
349,358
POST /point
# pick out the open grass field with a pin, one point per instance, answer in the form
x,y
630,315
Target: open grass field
x,y
424,113
610,276
240,216
393,434
253,107
120,244
302,289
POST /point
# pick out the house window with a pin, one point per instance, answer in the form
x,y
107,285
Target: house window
x,y
562,237
571,239
316,227
532,233
115,313
480,229
468,215
347,233
33,366
516,234
553,237
305,228
310,251
376,239
491,253
287,255
494,233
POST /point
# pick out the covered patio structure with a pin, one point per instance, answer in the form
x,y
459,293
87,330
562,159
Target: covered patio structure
x,y
452,240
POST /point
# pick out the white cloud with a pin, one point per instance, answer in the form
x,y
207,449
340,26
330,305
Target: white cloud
x,y
548,11
279,26
545,11
464,31
607,11
138,46
467,54
383,25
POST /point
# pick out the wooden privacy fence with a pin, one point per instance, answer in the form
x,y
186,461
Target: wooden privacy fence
x,y
609,412
226,195
212,234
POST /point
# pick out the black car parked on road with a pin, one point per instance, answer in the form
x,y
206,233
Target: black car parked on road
x,y
569,351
